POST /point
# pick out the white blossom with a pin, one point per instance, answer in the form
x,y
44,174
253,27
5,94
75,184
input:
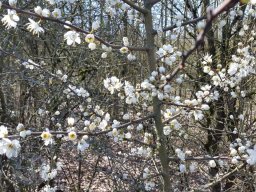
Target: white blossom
x,y
12,3
72,37
46,12
112,84
56,13
92,46
10,148
82,145
104,55
38,10
251,160
212,163
34,27
10,20
3,131
125,41
124,50
70,121
182,168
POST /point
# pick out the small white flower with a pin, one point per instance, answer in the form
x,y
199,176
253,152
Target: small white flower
x,y
128,135
89,38
47,137
104,55
139,127
207,69
10,20
168,48
167,130
46,13
112,84
205,107
72,135
182,168
198,115
124,50
92,46
56,13
34,27
72,38
38,10
131,57
126,116
181,155
212,163
82,145
243,94
11,148
161,52
233,152
233,67
115,132
103,124
20,127
125,41
167,88
70,121
251,160
57,113
162,69
3,131
12,3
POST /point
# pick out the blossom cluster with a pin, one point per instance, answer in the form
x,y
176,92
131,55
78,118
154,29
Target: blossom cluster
x,y
10,148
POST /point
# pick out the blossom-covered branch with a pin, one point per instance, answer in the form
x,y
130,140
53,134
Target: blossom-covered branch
x,y
71,26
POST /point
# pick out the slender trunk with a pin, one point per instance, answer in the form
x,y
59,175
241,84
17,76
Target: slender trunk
x,y
162,150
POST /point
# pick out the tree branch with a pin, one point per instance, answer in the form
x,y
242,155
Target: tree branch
x,y
211,15
92,134
200,158
73,27
136,7
222,178
183,24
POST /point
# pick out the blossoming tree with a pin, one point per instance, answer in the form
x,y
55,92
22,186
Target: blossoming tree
x,y
124,95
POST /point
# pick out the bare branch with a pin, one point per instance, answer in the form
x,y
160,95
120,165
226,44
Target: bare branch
x,y
136,7
183,24
200,158
153,2
222,178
